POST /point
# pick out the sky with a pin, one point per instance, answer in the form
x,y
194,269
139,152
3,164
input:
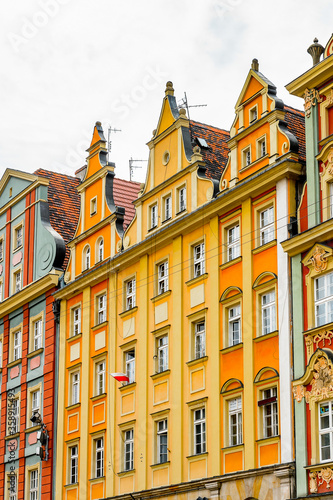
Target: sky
x,y
66,64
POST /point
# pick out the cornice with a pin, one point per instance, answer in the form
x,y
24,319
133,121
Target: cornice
x,y
314,77
40,181
180,122
304,241
86,280
30,292
96,176
92,230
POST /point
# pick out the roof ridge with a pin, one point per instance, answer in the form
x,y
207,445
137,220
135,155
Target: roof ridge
x,y
39,170
292,109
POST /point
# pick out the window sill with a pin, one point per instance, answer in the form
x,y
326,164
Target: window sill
x,y
267,336
128,312
261,248
150,230
67,486
200,455
235,447
17,249
32,429
232,348
197,279
35,353
319,466
160,296
166,220
196,361
231,262
160,374
159,465
96,479
184,211
127,386
12,436
74,337
270,439
73,406
126,472
99,325
14,363
98,396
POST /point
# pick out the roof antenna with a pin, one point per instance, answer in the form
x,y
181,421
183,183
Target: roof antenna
x,y
132,167
110,129
185,105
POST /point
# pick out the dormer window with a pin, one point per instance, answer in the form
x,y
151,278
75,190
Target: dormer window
x,y
93,206
253,114
86,258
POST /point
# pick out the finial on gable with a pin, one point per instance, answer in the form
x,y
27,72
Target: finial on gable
x,y
255,65
169,90
315,50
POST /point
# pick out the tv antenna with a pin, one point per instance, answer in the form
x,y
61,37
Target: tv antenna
x,y
110,129
132,167
185,105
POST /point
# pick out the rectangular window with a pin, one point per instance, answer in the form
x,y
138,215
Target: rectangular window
x,y
76,318
234,320
12,486
17,345
162,441
268,315
246,157
101,309
99,457
130,365
100,378
167,208
199,422
73,464
326,431
269,408
261,147
35,401
253,114
182,199
163,277
18,237
33,492
75,388
1,249
199,259
199,340
162,353
235,422
130,294
38,331
266,225
128,449
153,216
233,248
93,206
324,299
17,281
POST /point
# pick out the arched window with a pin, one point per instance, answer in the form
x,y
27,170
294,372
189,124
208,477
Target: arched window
x,y
86,258
100,250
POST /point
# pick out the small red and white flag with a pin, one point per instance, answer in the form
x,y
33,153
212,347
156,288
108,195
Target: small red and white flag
x,y
121,377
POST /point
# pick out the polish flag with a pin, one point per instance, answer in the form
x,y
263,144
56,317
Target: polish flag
x,y
121,377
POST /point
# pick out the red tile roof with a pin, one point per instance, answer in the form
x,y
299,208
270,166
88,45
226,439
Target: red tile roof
x,y
216,156
296,124
64,205
124,193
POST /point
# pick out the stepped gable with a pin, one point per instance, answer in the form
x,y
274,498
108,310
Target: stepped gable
x,y
296,124
64,205
124,193
216,156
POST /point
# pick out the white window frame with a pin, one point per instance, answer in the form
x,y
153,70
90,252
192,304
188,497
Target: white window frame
x,y
100,377
261,147
18,236
233,242
269,412
325,302
35,401
162,440
93,206
266,229
101,308
129,362
37,334
199,259
76,320
128,451
253,114
17,280
17,344
324,431
246,157
235,420
33,484
86,258
99,456
199,430
162,277
100,250
182,199
75,387
130,291
234,318
199,339
73,464
162,347
153,216
268,312
167,207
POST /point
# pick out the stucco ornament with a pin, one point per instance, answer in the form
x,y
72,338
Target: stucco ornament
x,y
319,259
330,162
325,475
311,97
321,383
329,97
313,482
324,336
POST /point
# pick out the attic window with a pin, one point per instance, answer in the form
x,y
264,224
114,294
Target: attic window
x,y
253,114
93,206
202,143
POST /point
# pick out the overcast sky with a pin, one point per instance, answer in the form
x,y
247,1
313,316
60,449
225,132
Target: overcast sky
x,y
67,63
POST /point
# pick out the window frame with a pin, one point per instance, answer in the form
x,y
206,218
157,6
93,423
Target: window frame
x,y
235,244
200,424
101,308
329,430
128,441
86,258
199,339
17,239
238,412
99,250
93,206
328,299
232,321
17,285
260,142
30,408
16,350
73,463
253,110
2,248
98,471
100,376
161,456
181,199
199,261
266,228
74,387
129,364
270,401
162,361
267,307
16,415
164,207
34,320
153,215
162,281
130,294
246,156
76,322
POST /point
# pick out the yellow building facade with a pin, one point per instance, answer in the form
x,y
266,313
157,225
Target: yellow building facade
x,y
187,304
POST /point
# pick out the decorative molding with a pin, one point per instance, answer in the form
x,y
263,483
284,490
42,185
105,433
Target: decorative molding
x,y
311,97
318,259
322,336
325,475
313,482
321,383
